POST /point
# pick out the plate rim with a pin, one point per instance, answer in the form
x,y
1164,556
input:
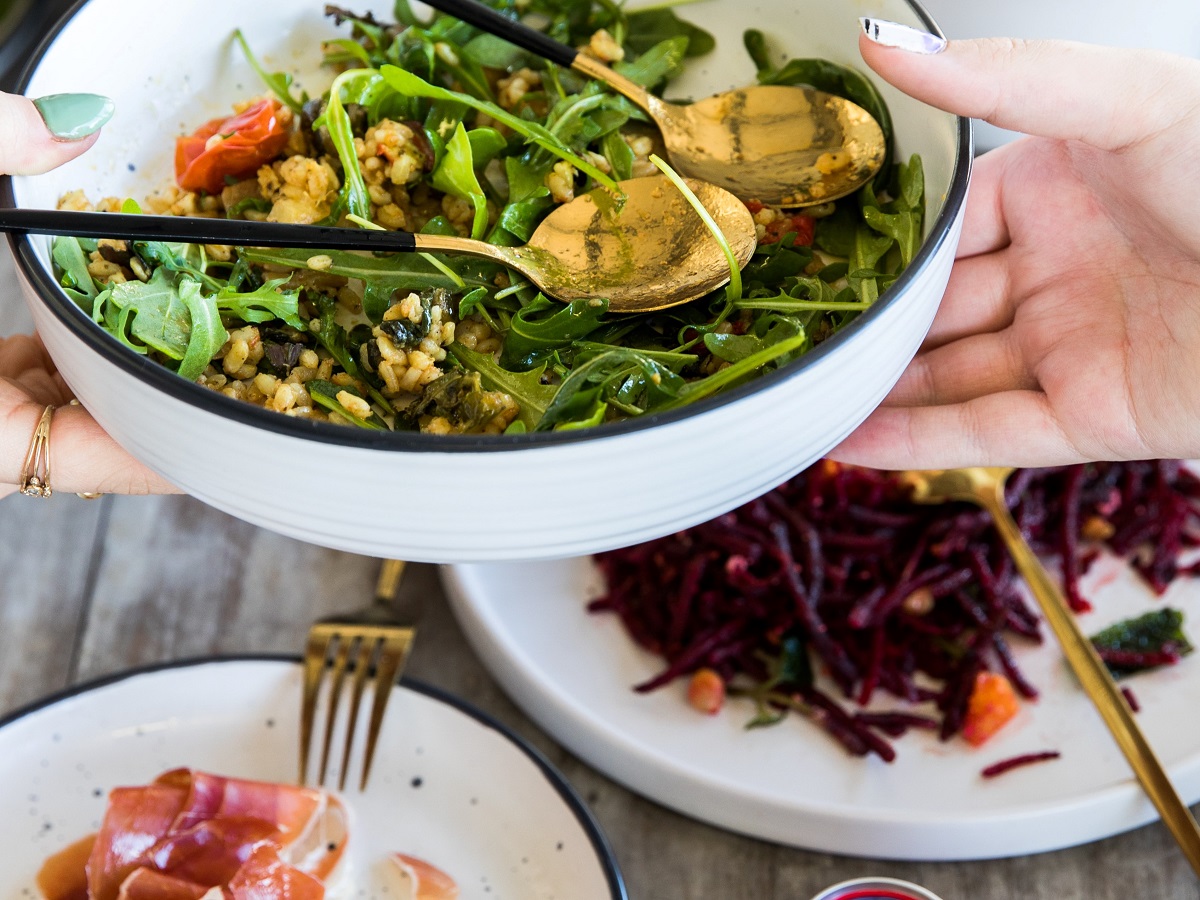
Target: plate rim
x,y
591,827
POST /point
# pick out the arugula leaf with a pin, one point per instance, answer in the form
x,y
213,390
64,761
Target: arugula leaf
x,y
769,332
154,313
238,210
377,299
206,333
68,255
738,371
410,84
187,259
352,51
525,388
835,233
455,175
495,52
336,340
623,375
619,154
470,301
912,184
673,360
280,83
402,269
404,13
903,227
264,304
486,145
773,263
532,335
341,133
662,61
522,218
653,26
171,316
869,248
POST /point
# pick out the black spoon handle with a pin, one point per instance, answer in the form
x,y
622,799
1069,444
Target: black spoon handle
x,y
195,230
487,19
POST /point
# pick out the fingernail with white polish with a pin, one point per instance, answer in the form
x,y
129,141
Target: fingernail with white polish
x,y
902,37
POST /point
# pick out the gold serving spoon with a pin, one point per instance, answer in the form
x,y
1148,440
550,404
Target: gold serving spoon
x,y
984,486
783,145
650,252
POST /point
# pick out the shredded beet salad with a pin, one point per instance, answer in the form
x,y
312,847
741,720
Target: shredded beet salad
x,y
836,572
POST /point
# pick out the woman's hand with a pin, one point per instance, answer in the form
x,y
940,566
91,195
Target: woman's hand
x,y
83,458
1070,329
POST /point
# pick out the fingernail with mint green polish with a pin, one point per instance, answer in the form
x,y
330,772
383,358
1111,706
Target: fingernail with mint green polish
x,y
72,117
902,37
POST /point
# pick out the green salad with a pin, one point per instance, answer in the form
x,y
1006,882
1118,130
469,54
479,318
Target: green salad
x,y
433,126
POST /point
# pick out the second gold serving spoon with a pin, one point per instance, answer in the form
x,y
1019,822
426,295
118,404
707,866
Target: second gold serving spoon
x,y
783,145
984,486
649,252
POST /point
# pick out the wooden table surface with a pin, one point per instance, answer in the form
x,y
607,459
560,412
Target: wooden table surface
x,y
91,588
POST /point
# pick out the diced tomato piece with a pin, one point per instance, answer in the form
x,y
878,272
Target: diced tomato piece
x,y
706,691
804,227
755,206
993,702
230,148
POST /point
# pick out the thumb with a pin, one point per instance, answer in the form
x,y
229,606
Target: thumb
x,y
36,136
1106,97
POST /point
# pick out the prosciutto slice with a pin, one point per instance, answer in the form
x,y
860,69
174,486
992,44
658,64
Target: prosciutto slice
x,y
191,835
424,881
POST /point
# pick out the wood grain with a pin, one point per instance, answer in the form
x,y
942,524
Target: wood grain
x,y
91,588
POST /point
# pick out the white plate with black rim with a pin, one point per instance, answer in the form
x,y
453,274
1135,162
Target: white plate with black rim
x,y
449,785
573,673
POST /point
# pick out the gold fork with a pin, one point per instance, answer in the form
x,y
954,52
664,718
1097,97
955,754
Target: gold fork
x,y
984,486
374,640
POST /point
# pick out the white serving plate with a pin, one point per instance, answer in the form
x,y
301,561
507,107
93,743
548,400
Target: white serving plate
x,y
449,785
423,497
572,672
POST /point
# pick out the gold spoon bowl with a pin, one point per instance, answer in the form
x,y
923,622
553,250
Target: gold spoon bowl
x,y
648,252
782,145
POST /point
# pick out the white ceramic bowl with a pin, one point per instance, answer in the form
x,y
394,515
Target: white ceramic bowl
x,y
440,499
1172,25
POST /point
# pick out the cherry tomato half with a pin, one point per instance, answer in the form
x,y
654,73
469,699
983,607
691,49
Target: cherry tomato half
x,y
235,147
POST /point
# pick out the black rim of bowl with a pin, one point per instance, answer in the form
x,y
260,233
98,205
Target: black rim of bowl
x,y
163,379
600,845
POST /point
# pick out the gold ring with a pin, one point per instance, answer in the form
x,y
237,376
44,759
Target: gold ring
x,y
35,473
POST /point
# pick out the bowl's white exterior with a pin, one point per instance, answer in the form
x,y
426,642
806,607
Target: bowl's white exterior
x,y
453,500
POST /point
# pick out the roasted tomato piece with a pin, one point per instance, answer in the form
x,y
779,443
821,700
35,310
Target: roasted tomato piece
x,y
230,148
